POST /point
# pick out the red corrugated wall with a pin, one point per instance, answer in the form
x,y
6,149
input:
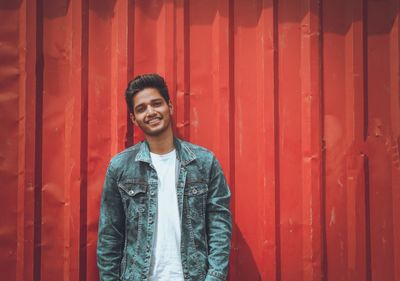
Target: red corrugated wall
x,y
298,99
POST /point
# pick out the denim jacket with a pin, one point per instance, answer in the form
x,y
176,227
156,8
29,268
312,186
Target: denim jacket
x,y
129,206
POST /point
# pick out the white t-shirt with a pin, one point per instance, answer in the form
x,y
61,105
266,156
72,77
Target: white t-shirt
x,y
166,262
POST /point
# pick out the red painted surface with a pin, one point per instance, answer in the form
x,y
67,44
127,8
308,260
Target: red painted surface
x,y
298,99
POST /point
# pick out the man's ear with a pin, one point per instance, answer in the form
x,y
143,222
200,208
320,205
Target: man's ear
x,y
171,108
133,119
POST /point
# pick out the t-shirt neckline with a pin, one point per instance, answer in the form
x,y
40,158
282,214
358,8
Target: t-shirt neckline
x,y
166,155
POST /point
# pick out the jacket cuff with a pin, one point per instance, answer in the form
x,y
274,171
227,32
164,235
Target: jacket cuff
x,y
215,276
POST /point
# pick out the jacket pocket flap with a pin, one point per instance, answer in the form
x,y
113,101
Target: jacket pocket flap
x,y
133,188
197,188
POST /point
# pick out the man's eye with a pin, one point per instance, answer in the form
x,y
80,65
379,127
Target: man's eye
x,y
157,104
140,109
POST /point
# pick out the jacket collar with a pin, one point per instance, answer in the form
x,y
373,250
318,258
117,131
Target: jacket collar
x,y
184,154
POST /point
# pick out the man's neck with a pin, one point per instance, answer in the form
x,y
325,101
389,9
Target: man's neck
x,y
161,144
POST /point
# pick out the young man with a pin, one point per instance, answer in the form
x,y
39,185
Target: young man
x,y
165,206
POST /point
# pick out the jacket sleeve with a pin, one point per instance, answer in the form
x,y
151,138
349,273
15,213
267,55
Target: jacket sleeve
x,y
111,230
219,224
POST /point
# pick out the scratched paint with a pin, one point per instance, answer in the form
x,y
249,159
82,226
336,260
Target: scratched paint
x,y
298,99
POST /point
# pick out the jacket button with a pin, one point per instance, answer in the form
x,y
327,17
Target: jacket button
x,y
150,220
152,193
131,192
194,191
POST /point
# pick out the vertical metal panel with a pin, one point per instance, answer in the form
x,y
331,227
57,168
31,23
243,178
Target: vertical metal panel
x,y
346,216
255,115
380,138
394,149
100,95
311,92
9,53
299,100
57,121
28,145
290,138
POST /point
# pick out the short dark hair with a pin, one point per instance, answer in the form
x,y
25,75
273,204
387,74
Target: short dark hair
x,y
141,82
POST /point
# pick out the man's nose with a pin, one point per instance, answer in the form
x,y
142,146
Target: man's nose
x,y
150,110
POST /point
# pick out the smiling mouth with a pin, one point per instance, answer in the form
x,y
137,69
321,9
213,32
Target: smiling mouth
x,y
153,121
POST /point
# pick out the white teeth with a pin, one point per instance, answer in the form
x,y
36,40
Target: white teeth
x,y
154,120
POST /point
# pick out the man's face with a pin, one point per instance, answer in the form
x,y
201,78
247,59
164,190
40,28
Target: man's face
x,y
151,112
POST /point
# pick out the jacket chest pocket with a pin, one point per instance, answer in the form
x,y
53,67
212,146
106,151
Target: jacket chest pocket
x,y
134,195
196,195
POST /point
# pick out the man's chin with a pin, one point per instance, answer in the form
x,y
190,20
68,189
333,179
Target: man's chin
x,y
155,132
